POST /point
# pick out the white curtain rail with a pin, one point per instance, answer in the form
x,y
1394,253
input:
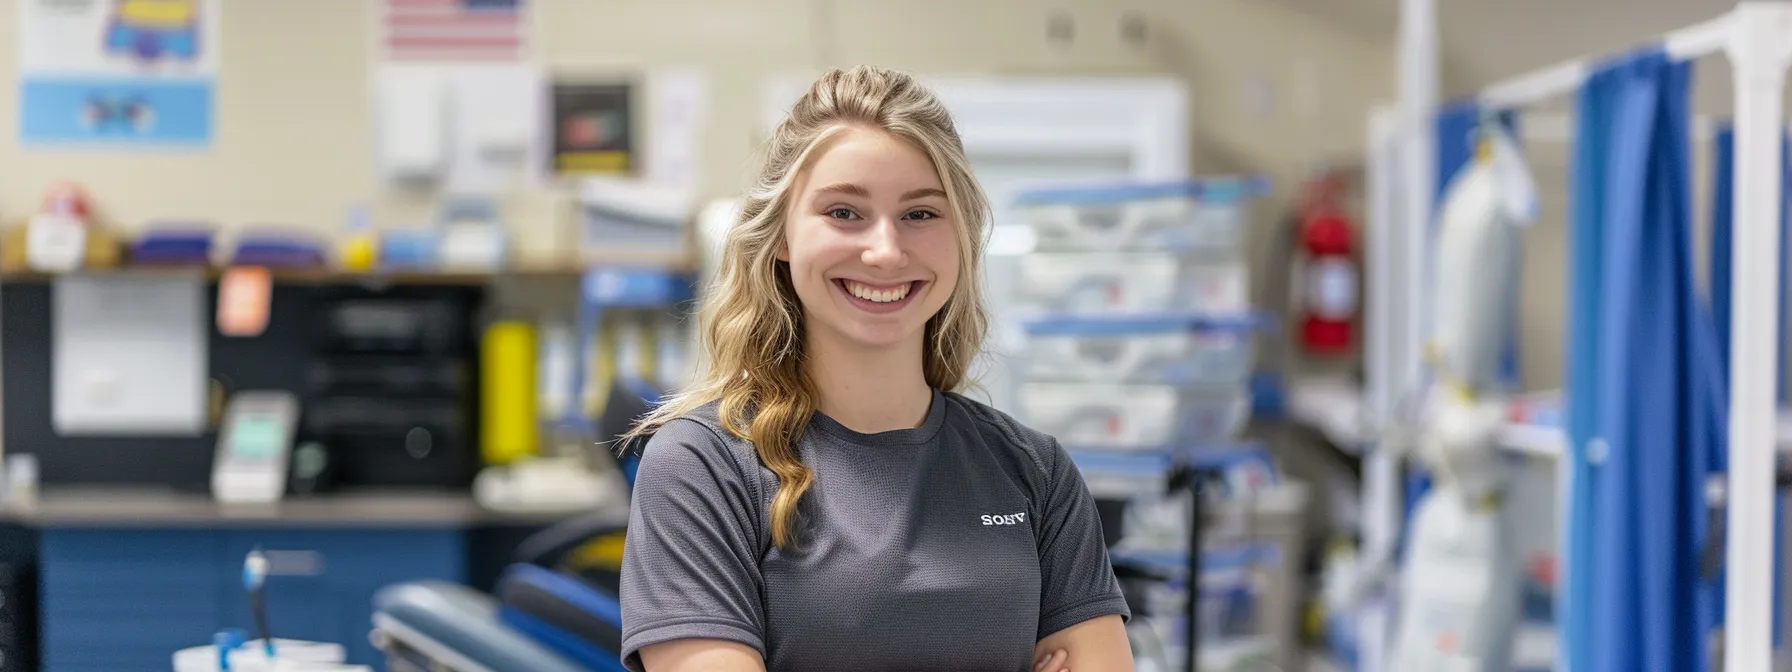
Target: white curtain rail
x,y
1549,128
1545,83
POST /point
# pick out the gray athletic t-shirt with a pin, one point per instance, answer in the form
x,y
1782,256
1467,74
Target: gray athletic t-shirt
x,y
956,545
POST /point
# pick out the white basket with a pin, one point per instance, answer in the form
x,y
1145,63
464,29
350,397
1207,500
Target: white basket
x,y
1132,282
1135,417
1203,357
1199,215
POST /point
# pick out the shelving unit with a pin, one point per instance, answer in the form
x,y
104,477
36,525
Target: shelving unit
x,y
1140,346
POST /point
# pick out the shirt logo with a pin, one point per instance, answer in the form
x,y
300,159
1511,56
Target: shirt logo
x,y
1005,519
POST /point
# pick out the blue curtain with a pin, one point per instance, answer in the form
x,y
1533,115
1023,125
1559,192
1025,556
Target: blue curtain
x,y
1455,126
1723,223
1654,394
1575,610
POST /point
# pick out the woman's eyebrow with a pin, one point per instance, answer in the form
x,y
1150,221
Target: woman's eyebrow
x,y
845,188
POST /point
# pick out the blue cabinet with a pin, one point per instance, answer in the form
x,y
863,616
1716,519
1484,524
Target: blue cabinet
x,y
124,600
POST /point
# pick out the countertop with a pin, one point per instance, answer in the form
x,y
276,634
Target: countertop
x,y
123,507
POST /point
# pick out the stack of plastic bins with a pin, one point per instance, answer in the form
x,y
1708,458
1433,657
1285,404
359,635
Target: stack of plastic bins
x,y
1140,335
1253,544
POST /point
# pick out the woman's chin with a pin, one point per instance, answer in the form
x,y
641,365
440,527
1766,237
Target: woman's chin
x,y
866,336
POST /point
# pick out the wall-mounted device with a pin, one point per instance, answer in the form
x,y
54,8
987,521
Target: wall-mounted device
x,y
254,447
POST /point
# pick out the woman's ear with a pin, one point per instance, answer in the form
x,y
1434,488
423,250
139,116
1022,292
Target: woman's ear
x,y
784,251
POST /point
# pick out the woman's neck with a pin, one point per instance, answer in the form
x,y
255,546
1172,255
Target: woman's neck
x,y
869,390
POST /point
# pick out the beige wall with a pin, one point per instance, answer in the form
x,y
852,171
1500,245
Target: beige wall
x,y
1273,89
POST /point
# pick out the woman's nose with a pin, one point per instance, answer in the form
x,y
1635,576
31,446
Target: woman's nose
x,y
883,246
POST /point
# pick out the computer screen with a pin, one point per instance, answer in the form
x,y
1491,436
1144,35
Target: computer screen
x,y
257,436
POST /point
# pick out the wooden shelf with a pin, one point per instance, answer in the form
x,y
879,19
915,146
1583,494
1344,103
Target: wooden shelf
x,y
325,276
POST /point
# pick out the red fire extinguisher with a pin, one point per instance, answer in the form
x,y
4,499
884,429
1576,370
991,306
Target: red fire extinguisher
x,y
1325,269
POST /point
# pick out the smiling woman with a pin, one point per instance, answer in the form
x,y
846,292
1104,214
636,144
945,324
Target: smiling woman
x,y
873,251
823,498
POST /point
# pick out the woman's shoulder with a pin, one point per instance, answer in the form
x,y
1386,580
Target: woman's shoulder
x,y
996,426
705,420
696,439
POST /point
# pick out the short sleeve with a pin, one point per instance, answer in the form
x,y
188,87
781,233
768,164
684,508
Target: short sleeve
x,y
1077,578
690,564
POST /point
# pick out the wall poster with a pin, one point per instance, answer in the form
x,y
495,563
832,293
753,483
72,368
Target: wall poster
x,y
593,129
118,72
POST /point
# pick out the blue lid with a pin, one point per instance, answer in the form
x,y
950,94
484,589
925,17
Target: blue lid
x,y
1141,323
1159,461
1144,463
1213,558
1211,189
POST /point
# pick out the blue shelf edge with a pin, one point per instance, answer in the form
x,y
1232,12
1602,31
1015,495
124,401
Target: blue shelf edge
x,y
1225,189
1127,324
1153,462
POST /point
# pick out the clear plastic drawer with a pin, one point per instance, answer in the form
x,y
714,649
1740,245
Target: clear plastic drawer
x,y
1190,215
1168,350
1132,282
1135,417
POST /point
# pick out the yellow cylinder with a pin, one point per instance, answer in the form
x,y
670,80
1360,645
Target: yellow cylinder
x,y
360,253
508,424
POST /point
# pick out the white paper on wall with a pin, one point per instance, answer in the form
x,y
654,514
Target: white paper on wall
x,y
490,117
499,111
129,355
678,105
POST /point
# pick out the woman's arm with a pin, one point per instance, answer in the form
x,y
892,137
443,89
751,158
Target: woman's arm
x,y
701,655
1082,609
1096,645
690,571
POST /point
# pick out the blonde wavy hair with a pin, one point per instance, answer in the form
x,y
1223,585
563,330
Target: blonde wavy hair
x,y
751,322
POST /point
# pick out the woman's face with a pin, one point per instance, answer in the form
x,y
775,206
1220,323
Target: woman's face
x,y
871,241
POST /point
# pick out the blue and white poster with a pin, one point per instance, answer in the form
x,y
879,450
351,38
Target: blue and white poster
x,y
118,72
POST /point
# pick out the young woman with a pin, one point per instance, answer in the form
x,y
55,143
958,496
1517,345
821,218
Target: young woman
x,y
822,499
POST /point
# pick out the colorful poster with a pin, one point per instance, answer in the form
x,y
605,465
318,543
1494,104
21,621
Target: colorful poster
x,y
592,130
117,72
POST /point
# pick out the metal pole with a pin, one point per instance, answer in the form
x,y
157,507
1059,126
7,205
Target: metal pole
x,y
1759,54
1192,650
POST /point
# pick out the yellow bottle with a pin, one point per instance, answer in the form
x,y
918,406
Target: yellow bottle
x,y
359,253
360,250
508,427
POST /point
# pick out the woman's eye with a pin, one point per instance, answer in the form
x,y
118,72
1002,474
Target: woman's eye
x,y
842,213
921,214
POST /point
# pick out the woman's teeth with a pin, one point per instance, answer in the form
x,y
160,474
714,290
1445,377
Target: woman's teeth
x,y
875,295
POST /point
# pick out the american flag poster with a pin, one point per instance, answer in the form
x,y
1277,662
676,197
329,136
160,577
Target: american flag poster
x,y
454,31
